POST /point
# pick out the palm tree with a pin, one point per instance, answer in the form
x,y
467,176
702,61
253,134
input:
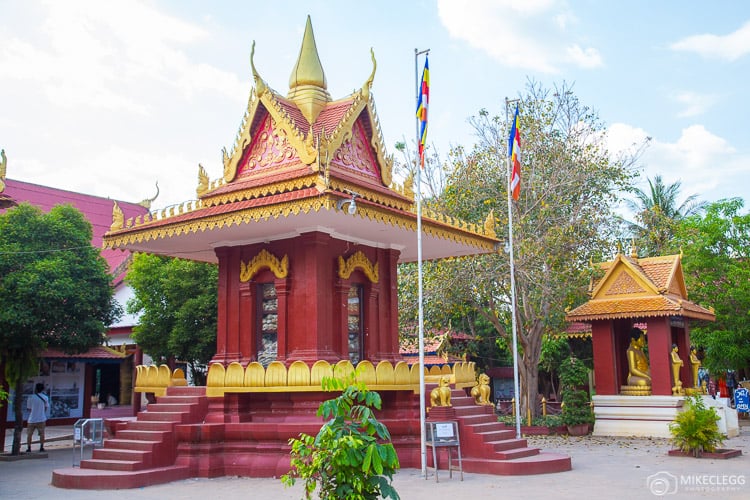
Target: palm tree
x,y
657,214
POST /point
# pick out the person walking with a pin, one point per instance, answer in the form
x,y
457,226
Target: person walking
x,y
38,405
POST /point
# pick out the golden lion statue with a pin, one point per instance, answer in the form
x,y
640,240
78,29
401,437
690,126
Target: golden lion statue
x,y
441,395
481,392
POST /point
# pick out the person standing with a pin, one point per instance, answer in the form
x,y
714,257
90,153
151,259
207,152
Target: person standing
x,y
731,386
38,405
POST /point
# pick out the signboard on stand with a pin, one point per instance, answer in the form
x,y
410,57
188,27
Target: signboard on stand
x,y
742,400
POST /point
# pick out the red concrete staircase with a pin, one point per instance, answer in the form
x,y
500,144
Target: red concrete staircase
x,y
489,447
175,439
144,450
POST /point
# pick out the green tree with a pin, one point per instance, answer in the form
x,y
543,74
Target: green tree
x,y
657,215
716,264
352,456
563,218
177,303
55,290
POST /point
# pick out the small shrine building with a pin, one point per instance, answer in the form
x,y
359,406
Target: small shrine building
x,y
306,225
638,292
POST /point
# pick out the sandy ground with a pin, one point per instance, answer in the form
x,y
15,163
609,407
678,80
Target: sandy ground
x,y
609,468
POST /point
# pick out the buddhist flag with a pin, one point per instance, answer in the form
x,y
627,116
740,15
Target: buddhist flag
x,y
422,102
514,153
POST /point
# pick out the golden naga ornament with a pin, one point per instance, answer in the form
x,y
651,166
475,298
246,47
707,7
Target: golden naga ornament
x,y
118,218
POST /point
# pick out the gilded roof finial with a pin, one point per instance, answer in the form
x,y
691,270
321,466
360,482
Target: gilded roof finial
x,y
148,201
202,181
118,218
489,224
619,247
260,85
368,83
633,249
307,83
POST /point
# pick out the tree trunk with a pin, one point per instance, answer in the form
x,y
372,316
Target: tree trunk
x,y
18,413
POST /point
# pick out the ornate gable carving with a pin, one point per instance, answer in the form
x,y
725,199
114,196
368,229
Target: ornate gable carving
x,y
355,155
624,284
269,149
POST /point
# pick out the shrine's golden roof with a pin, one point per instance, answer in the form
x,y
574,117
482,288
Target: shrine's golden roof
x,y
301,157
633,287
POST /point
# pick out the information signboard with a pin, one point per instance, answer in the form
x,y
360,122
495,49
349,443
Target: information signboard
x,y
742,400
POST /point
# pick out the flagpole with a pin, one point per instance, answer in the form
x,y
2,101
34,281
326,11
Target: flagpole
x,y
516,385
418,198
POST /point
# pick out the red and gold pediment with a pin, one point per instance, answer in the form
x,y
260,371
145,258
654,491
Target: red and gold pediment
x,y
305,132
355,156
269,151
633,287
623,277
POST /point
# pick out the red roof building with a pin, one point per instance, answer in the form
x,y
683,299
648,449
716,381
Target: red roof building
x,y
101,369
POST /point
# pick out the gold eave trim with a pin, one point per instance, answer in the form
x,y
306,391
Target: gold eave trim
x,y
446,229
269,189
371,195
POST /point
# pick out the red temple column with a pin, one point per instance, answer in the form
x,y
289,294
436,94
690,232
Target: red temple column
x,y
282,297
221,317
246,326
389,307
341,317
605,358
373,337
659,349
310,333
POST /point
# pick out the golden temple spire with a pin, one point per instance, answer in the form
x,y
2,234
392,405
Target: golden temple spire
x,y
307,84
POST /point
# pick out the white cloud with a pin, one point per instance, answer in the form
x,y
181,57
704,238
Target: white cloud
x,y
695,104
109,55
585,58
623,139
728,47
703,162
532,35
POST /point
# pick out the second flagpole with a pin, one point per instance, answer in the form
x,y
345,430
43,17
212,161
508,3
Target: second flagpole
x,y
418,197
516,385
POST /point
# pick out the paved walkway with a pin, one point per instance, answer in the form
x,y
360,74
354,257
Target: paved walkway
x,y
611,468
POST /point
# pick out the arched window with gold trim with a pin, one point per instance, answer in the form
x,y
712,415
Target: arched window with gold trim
x,y
267,323
355,323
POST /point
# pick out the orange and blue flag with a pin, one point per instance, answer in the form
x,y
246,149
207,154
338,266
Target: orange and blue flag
x,y
422,103
514,153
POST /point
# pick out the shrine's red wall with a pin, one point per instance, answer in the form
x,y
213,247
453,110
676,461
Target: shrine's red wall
x,y
312,322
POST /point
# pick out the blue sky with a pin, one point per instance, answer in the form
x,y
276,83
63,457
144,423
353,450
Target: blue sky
x,y
109,97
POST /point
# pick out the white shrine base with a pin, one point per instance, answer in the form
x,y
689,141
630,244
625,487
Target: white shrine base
x,y
650,416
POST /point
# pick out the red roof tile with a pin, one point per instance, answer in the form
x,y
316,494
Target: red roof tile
x,y
98,352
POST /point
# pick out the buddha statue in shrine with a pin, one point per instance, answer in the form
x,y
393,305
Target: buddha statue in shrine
x,y
695,364
639,373
676,365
